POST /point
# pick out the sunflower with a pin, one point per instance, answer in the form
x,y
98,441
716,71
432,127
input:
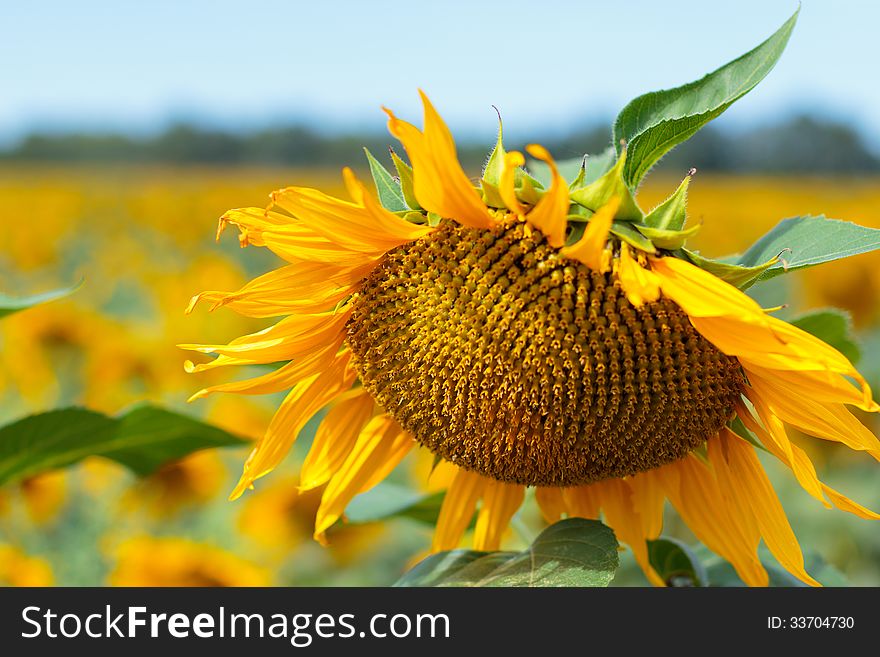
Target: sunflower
x,y
173,561
528,336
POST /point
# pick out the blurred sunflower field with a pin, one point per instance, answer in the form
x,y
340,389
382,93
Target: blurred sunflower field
x,y
139,239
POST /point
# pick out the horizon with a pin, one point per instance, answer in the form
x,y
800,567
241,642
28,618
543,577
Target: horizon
x,y
116,81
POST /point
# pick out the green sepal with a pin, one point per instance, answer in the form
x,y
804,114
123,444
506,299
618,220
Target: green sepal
x,y
491,195
581,178
668,239
671,214
405,175
413,216
626,232
736,275
528,189
495,163
611,184
390,194
434,219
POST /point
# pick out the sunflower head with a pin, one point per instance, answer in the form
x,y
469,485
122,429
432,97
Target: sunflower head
x,y
534,331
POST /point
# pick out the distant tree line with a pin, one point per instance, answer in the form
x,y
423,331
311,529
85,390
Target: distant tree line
x,y
799,145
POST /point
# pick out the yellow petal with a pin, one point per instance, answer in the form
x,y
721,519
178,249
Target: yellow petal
x,y
700,294
307,287
439,182
335,437
639,284
589,248
648,500
306,399
500,502
829,421
297,240
551,503
582,501
625,519
550,214
739,327
773,436
457,510
751,483
506,185
378,450
284,378
693,490
293,337
796,459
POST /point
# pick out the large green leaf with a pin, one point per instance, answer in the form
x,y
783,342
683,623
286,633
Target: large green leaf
x,y
654,123
834,327
142,439
572,552
9,305
807,241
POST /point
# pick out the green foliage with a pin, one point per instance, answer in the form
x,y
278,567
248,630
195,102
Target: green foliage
x,y
390,194
808,241
572,552
654,123
142,439
9,305
834,327
676,563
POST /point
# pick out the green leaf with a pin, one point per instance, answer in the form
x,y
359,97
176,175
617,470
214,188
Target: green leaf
x,y
9,305
390,194
388,500
834,327
676,563
572,552
737,275
652,124
809,241
148,436
142,439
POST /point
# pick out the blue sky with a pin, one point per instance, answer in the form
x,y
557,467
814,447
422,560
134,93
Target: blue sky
x,y
550,64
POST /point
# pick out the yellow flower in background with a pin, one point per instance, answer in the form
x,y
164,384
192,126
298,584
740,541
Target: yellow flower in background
x,y
601,374
44,495
18,569
147,561
280,517
186,482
